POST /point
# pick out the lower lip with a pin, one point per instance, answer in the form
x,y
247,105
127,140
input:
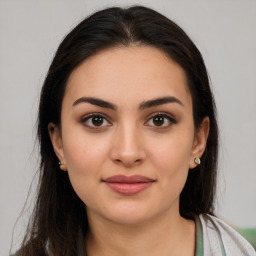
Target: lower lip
x,y
129,188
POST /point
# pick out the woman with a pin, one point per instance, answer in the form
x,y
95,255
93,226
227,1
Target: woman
x,y
127,112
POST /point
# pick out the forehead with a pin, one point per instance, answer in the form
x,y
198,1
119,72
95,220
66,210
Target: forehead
x,y
133,72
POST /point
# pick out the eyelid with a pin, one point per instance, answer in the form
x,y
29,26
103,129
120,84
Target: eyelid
x,y
88,116
172,120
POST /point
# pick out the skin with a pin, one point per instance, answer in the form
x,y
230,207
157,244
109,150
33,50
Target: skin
x,y
130,141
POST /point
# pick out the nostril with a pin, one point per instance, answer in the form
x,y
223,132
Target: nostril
x,y
128,163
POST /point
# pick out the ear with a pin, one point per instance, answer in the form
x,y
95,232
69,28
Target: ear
x,y
200,141
56,140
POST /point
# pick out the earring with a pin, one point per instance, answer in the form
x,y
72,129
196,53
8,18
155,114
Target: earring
x,y
197,160
62,166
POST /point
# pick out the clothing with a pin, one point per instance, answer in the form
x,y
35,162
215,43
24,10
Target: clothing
x,y
213,238
249,234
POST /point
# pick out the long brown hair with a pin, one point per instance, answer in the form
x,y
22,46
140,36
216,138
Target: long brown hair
x,y
58,212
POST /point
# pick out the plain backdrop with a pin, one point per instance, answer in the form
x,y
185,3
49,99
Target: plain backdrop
x,y
30,32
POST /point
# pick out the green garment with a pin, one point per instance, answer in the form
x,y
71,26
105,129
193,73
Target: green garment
x,y
210,224
215,237
199,240
249,234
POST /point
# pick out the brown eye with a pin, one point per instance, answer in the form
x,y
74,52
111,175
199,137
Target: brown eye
x,y
161,120
158,120
95,121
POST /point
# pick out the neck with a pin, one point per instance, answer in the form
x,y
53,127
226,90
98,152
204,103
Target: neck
x,y
160,236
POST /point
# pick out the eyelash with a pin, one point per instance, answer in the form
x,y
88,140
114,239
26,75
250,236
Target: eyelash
x,y
164,115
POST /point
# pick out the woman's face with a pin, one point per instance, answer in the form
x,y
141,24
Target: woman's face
x,y
127,134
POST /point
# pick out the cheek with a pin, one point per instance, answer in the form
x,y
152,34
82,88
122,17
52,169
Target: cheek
x,y
83,152
172,152
171,159
84,157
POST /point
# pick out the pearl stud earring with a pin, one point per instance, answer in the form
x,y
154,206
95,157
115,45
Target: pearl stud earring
x,y
62,166
197,160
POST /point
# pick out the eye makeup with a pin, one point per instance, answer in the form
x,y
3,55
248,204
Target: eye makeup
x,y
157,120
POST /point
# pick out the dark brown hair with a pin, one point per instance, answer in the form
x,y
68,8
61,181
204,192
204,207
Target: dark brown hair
x,y
58,212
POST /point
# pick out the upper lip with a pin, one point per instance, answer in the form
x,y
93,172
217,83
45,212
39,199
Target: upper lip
x,y
128,179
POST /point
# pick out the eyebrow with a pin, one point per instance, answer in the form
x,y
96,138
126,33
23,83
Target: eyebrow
x,y
145,104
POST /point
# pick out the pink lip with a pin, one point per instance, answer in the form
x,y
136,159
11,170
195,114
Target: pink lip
x,y
128,185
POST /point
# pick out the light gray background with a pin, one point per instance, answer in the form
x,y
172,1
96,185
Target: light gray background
x,y
225,33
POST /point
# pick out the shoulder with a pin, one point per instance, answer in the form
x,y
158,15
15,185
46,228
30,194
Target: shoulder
x,y
219,237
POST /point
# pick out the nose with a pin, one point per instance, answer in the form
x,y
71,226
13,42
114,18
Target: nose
x,y
127,147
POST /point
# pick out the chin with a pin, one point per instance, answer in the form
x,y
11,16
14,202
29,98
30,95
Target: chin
x,y
128,220
131,216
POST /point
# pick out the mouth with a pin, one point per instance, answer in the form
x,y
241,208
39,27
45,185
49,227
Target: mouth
x,y
128,185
